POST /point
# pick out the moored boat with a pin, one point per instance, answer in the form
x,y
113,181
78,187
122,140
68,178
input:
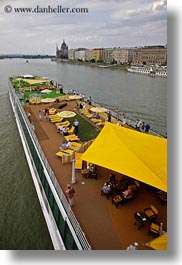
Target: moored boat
x,y
148,70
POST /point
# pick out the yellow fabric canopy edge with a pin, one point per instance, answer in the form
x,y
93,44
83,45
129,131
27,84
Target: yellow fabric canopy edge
x,y
132,153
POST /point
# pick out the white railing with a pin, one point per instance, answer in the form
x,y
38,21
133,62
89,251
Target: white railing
x,y
64,207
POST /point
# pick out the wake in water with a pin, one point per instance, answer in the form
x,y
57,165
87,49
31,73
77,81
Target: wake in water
x,y
3,94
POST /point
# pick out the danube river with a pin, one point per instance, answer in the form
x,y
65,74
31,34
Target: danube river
x,y
22,224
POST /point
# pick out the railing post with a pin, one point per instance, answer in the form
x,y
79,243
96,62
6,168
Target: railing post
x,y
73,179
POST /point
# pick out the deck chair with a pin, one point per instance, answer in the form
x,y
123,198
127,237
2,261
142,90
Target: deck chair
x,y
56,119
54,116
101,123
151,213
60,153
67,151
74,148
64,123
71,130
154,229
76,144
72,137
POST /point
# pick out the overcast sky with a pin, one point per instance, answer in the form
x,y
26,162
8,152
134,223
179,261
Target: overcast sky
x,y
108,23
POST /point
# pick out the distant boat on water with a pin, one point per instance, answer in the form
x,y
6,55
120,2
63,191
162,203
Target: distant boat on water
x,y
149,70
107,66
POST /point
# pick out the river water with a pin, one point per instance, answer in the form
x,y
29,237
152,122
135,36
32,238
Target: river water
x,y
22,224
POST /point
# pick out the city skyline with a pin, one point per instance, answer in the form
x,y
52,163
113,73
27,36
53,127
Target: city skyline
x,y
112,23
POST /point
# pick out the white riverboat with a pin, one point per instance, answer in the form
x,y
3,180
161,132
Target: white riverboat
x,y
149,70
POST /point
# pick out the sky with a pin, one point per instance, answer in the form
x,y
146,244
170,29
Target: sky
x,y
107,23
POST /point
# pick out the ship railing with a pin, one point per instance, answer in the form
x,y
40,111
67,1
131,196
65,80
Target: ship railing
x,y
62,203
119,116
130,121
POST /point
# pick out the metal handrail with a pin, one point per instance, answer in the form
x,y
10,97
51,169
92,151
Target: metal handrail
x,y
130,122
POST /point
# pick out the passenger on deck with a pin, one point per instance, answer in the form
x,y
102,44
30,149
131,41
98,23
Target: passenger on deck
x,y
63,146
69,144
65,132
76,123
83,105
46,114
123,183
112,179
147,127
109,116
40,115
106,188
33,126
117,113
138,124
127,193
60,128
91,169
133,246
143,126
96,115
124,120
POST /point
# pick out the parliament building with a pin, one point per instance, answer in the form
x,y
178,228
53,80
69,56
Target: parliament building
x,y
62,53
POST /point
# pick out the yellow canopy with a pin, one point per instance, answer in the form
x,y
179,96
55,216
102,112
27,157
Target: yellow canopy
x,y
159,243
132,153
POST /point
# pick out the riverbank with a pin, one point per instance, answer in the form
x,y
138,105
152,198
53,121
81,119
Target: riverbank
x,y
99,64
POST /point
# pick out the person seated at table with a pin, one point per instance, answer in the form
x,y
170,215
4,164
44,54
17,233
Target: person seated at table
x,y
112,179
123,183
91,169
65,132
63,146
127,193
132,187
106,188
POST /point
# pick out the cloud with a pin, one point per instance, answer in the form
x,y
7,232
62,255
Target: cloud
x,y
108,23
151,9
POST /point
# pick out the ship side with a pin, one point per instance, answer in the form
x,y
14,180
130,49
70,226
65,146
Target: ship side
x,y
63,227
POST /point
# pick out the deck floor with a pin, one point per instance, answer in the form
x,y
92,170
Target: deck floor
x,y
106,227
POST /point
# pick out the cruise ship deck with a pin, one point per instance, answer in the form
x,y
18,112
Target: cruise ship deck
x,y
105,226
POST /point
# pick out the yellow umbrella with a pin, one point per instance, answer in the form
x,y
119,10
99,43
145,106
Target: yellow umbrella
x,y
46,91
159,243
98,109
48,100
34,81
67,114
75,97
